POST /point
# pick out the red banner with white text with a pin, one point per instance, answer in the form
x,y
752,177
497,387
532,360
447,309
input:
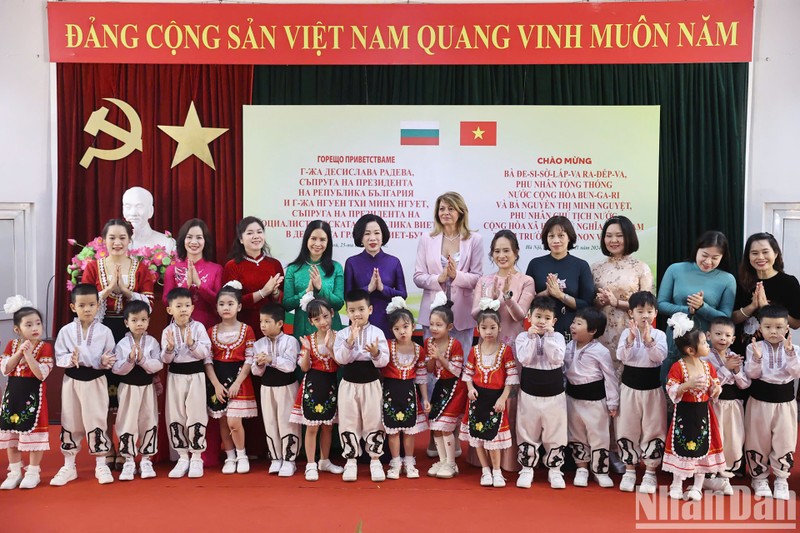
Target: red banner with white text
x,y
694,31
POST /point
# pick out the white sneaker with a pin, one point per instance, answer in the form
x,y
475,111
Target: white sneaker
x,y
326,465
288,468
694,494
242,465
13,480
581,477
128,471
431,453
275,466
32,478
761,488
146,470
604,481
486,477
350,472
447,471
525,477
412,472
649,484
376,471
103,474
712,483
498,480
434,469
312,474
676,492
725,487
628,481
64,475
556,479
180,469
195,468
780,489
394,468
229,467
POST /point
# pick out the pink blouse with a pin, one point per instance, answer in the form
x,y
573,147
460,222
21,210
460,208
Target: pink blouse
x,y
204,296
512,311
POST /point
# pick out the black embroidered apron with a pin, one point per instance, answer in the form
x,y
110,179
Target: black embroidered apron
x,y
19,410
319,396
399,403
226,372
484,422
443,392
690,429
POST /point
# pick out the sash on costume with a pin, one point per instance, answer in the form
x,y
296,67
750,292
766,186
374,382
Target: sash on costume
x,y
319,395
690,429
641,378
732,392
771,392
226,372
484,422
275,378
399,403
84,373
19,411
137,376
360,372
443,392
195,367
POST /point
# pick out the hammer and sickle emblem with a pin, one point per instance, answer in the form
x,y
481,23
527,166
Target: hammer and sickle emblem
x,y
131,140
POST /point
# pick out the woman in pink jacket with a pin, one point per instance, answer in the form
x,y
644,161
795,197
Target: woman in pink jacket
x,y
450,259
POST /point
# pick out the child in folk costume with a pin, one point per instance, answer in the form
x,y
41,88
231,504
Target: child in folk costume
x,y
361,349
27,361
315,404
275,361
490,373
542,404
641,421
138,359
230,395
185,347
449,398
729,408
403,412
592,396
85,347
770,419
694,445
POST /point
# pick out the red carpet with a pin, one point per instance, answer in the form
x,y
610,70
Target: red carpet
x,y
258,502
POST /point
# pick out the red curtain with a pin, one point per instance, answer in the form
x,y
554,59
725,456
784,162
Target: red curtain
x,y
161,95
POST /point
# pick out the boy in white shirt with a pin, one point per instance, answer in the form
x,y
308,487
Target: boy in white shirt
x,y
85,348
275,361
361,349
770,419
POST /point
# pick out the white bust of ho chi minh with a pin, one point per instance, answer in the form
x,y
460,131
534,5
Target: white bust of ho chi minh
x,y
137,208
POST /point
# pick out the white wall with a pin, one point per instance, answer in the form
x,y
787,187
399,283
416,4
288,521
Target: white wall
x,y
25,147
774,142
27,114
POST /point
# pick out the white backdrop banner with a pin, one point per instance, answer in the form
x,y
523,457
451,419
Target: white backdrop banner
x,y
515,166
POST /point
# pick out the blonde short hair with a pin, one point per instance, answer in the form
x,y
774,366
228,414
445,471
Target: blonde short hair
x,y
456,201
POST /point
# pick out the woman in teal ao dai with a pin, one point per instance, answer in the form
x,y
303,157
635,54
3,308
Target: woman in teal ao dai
x,y
314,274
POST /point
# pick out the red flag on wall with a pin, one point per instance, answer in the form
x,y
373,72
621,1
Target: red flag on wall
x,y
478,133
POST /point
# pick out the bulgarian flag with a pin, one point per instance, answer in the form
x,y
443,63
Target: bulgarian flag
x,y
419,133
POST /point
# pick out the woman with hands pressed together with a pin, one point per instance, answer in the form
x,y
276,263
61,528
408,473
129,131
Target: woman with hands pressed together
x,y
261,276
702,288
564,277
375,271
195,271
314,274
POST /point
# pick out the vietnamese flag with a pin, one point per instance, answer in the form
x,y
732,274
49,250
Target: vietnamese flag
x,y
478,133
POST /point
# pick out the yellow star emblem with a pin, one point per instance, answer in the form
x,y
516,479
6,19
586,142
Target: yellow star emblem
x,y
192,139
478,133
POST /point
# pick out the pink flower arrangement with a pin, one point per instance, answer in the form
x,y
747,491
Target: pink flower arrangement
x,y
155,258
